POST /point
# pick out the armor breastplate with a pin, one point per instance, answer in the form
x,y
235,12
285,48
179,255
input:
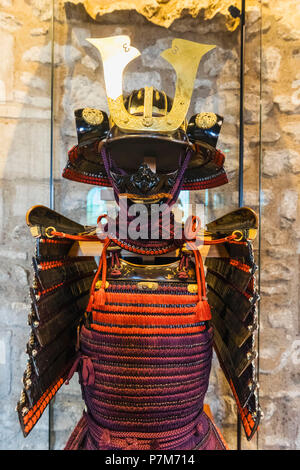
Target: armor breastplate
x,y
146,358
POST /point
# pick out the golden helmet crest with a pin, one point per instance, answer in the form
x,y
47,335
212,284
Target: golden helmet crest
x,y
117,53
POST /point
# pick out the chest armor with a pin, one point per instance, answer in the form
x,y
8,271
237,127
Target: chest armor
x,y
146,356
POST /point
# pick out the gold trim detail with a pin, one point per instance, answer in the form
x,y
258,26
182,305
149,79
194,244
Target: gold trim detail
x,y
35,231
192,288
206,120
92,116
145,285
184,56
240,234
99,284
53,229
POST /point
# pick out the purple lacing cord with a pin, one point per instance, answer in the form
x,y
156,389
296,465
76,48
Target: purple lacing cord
x,y
106,161
175,191
179,180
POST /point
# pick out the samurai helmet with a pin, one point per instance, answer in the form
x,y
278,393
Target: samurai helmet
x,y
146,147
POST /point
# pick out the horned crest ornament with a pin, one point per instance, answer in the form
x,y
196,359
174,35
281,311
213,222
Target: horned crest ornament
x,y
117,53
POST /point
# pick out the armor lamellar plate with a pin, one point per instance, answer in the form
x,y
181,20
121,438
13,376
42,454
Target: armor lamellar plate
x,y
59,296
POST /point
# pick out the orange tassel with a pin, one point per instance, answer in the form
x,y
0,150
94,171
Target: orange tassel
x,y
203,312
100,297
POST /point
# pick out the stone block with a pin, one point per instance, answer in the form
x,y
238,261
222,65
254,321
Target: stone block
x,y
221,62
7,66
90,63
27,194
277,271
81,92
42,9
289,204
25,97
5,363
281,431
212,103
151,54
9,22
33,81
6,3
282,318
293,161
41,31
292,129
271,63
252,104
288,103
21,111
64,54
36,152
79,36
274,162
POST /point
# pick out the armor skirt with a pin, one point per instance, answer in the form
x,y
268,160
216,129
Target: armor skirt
x,y
144,392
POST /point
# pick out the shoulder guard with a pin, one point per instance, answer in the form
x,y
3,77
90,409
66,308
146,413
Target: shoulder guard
x,y
232,295
59,295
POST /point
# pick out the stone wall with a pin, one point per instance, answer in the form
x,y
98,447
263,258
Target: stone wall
x,y
25,113
279,337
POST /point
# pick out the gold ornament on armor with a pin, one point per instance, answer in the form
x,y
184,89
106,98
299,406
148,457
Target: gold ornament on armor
x,y
183,55
92,116
206,120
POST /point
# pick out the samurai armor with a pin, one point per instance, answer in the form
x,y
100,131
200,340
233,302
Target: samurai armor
x,y
141,335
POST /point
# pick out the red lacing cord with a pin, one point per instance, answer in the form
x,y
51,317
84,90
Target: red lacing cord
x,y
54,233
121,244
193,225
203,312
220,240
145,251
115,265
192,228
101,267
